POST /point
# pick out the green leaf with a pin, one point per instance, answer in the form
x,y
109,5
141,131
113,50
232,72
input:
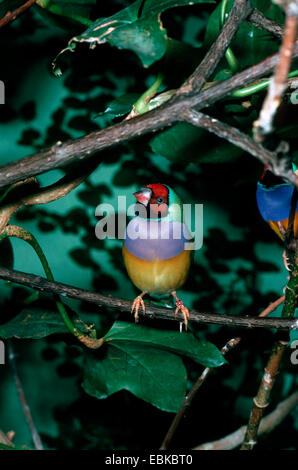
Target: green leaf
x,y
120,106
36,323
250,45
137,29
185,344
157,377
185,142
77,10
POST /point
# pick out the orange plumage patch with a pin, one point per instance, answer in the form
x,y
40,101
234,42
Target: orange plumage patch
x,y
284,223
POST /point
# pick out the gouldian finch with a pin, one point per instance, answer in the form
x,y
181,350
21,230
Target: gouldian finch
x,y
154,247
274,198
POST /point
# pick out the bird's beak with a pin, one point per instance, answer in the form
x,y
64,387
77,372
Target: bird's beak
x,y
143,196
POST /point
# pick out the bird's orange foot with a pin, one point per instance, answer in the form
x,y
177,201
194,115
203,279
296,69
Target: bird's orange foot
x,y
136,306
184,310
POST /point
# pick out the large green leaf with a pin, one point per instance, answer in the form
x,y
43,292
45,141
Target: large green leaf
x,y
137,27
155,376
36,323
184,142
186,344
145,361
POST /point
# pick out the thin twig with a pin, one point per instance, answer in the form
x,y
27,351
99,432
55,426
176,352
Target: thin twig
x,y
273,306
261,21
268,424
11,16
206,372
190,396
152,311
24,193
278,84
277,165
34,433
240,10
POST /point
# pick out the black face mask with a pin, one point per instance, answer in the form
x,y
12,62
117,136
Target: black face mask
x,y
269,179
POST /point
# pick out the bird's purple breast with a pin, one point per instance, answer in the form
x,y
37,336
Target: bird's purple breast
x,y
155,239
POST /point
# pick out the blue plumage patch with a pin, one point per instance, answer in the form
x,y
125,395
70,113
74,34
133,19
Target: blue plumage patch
x,y
274,203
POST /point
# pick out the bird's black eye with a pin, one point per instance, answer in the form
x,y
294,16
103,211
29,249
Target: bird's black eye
x,y
159,200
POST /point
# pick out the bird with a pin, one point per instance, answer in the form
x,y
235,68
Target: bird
x,y
154,251
274,200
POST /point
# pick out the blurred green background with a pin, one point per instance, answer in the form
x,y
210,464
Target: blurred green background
x,y
239,269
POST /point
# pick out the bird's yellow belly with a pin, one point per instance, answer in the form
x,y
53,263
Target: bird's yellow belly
x,y
157,276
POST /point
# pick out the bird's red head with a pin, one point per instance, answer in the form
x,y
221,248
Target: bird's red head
x,y
155,196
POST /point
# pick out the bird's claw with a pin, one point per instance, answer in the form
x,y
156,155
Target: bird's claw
x,y
286,261
185,312
136,306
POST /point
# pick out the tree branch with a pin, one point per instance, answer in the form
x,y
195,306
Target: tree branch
x,y
261,21
268,424
88,339
152,311
202,378
60,155
240,10
278,84
277,165
262,399
190,396
24,192
11,16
